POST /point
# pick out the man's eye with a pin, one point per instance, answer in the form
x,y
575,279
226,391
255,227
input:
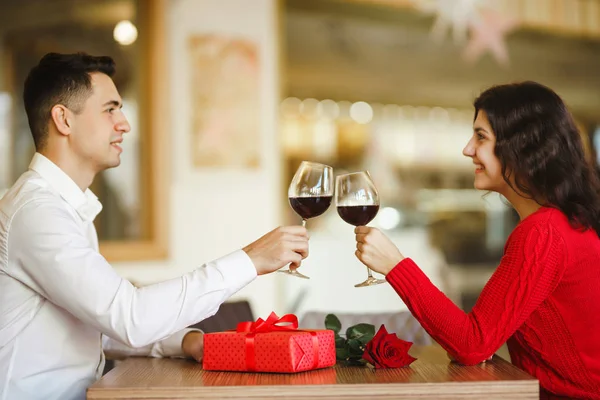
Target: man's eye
x,y
480,136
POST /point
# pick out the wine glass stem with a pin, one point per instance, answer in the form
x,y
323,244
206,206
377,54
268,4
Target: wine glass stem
x,y
304,226
369,272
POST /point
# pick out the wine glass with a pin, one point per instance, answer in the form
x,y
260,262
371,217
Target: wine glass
x,y
357,203
310,195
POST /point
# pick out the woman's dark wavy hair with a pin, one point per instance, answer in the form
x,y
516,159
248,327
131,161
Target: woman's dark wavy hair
x,y
537,142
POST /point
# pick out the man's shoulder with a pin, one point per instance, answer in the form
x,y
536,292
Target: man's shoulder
x,y
29,190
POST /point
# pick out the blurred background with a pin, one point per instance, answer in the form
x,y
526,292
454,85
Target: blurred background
x,y
227,97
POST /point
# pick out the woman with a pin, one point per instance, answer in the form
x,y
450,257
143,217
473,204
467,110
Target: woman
x,y
544,297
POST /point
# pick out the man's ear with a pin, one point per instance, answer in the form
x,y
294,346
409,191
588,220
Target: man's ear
x,y
62,118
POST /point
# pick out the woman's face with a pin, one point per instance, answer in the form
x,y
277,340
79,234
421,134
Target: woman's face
x,y
480,148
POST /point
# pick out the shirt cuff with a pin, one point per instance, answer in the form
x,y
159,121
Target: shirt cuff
x,y
171,346
237,270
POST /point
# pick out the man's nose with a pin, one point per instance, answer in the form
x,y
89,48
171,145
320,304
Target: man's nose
x,y
123,125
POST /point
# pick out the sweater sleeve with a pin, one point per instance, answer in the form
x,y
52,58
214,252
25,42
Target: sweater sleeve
x,y
532,266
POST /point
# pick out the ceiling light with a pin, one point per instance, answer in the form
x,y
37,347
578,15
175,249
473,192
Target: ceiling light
x,y
125,33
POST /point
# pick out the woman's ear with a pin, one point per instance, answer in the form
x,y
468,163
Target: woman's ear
x,y
62,118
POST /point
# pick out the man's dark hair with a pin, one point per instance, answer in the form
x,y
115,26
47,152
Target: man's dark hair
x,y
60,79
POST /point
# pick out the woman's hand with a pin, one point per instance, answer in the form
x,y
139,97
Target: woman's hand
x,y
454,360
375,250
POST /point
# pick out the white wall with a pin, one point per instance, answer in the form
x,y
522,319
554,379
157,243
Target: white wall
x,y
216,211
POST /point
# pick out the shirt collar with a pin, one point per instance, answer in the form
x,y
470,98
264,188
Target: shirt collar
x,y
85,203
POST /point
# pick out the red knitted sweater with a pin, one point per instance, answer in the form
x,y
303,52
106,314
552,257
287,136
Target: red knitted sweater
x,y
544,298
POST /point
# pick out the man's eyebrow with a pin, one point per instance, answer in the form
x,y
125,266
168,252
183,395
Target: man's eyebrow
x,y
115,103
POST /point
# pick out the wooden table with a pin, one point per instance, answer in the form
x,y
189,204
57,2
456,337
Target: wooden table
x,y
431,376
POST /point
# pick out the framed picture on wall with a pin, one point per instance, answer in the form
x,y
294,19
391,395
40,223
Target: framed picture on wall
x,y
225,101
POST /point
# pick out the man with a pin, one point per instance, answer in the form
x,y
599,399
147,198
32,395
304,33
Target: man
x,y
58,295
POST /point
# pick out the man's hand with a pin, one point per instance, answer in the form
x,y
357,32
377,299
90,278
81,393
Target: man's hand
x,y
375,250
281,246
193,345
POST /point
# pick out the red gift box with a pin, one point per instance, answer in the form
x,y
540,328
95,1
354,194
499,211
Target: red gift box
x,y
274,345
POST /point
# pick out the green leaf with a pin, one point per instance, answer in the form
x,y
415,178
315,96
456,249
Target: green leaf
x,y
332,322
355,348
365,339
341,354
354,344
340,342
362,332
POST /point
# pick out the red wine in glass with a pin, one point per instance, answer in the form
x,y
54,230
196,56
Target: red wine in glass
x,y
310,194
358,215
357,203
310,207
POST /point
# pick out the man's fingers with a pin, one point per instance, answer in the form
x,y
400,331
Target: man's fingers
x,y
297,251
294,238
303,252
300,246
294,230
295,260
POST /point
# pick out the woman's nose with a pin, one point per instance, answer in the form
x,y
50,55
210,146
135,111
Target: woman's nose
x,y
469,150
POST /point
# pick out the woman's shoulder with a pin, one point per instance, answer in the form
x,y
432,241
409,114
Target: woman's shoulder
x,y
545,217
544,233
550,225
547,224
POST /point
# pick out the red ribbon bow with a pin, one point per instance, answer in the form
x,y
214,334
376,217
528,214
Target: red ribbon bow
x,y
272,324
288,322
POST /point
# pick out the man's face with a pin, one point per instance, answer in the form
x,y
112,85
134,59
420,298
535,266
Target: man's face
x,y
98,130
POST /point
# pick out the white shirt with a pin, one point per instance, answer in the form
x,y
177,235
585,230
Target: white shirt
x,y
58,295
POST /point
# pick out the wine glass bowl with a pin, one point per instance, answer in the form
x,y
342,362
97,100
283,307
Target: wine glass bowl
x,y
357,202
358,215
310,207
310,195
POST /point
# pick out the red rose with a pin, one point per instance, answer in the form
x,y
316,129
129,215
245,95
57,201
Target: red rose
x,y
386,350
